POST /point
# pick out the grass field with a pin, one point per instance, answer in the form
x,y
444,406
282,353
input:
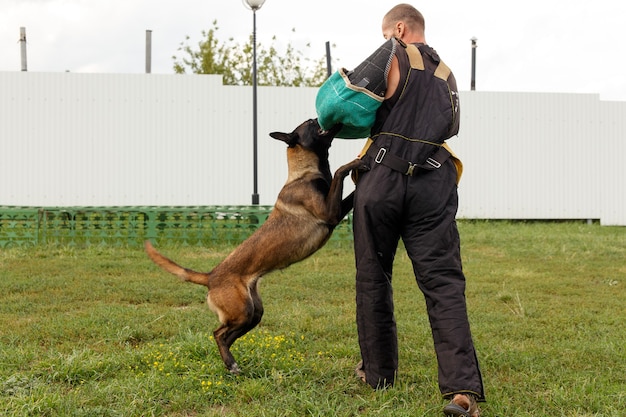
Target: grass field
x,y
102,332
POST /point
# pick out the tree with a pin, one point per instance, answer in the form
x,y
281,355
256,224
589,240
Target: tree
x,y
234,62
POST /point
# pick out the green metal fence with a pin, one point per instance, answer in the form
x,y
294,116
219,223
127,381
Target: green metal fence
x,y
130,226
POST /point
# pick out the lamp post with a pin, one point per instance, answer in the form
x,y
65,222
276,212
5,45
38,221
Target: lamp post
x,y
254,5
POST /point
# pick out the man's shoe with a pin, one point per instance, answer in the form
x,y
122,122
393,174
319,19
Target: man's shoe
x,y
462,405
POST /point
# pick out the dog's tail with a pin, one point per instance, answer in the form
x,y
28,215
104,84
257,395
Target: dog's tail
x,y
172,267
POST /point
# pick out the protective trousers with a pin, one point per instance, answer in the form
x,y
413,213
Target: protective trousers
x,y
421,210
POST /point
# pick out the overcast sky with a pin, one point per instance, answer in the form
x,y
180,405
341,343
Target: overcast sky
x,y
532,46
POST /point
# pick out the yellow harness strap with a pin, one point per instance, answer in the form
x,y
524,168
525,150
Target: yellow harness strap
x,y
415,57
457,163
365,148
442,71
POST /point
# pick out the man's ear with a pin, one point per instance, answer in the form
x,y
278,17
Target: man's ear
x,y
400,28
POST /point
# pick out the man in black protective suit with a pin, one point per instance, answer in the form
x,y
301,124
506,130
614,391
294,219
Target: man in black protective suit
x,y
410,192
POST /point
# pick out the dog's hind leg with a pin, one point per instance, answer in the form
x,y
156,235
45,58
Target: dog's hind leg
x,y
255,313
225,336
221,334
228,333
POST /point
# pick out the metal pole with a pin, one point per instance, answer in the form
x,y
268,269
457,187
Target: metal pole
x,y
255,193
23,48
148,51
474,46
329,67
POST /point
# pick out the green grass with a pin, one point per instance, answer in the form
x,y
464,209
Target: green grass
x,y
103,332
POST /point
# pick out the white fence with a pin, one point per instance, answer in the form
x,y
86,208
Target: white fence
x,y
116,140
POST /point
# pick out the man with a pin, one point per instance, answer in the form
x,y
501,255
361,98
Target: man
x,y
410,192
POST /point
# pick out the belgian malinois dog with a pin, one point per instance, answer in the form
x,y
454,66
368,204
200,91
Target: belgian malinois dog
x,y
308,208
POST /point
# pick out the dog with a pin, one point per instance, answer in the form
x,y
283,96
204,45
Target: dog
x,y
307,209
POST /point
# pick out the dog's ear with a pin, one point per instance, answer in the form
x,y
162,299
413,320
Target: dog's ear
x,y
288,138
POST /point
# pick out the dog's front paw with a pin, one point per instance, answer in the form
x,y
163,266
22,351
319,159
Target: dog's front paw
x,y
362,166
355,165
